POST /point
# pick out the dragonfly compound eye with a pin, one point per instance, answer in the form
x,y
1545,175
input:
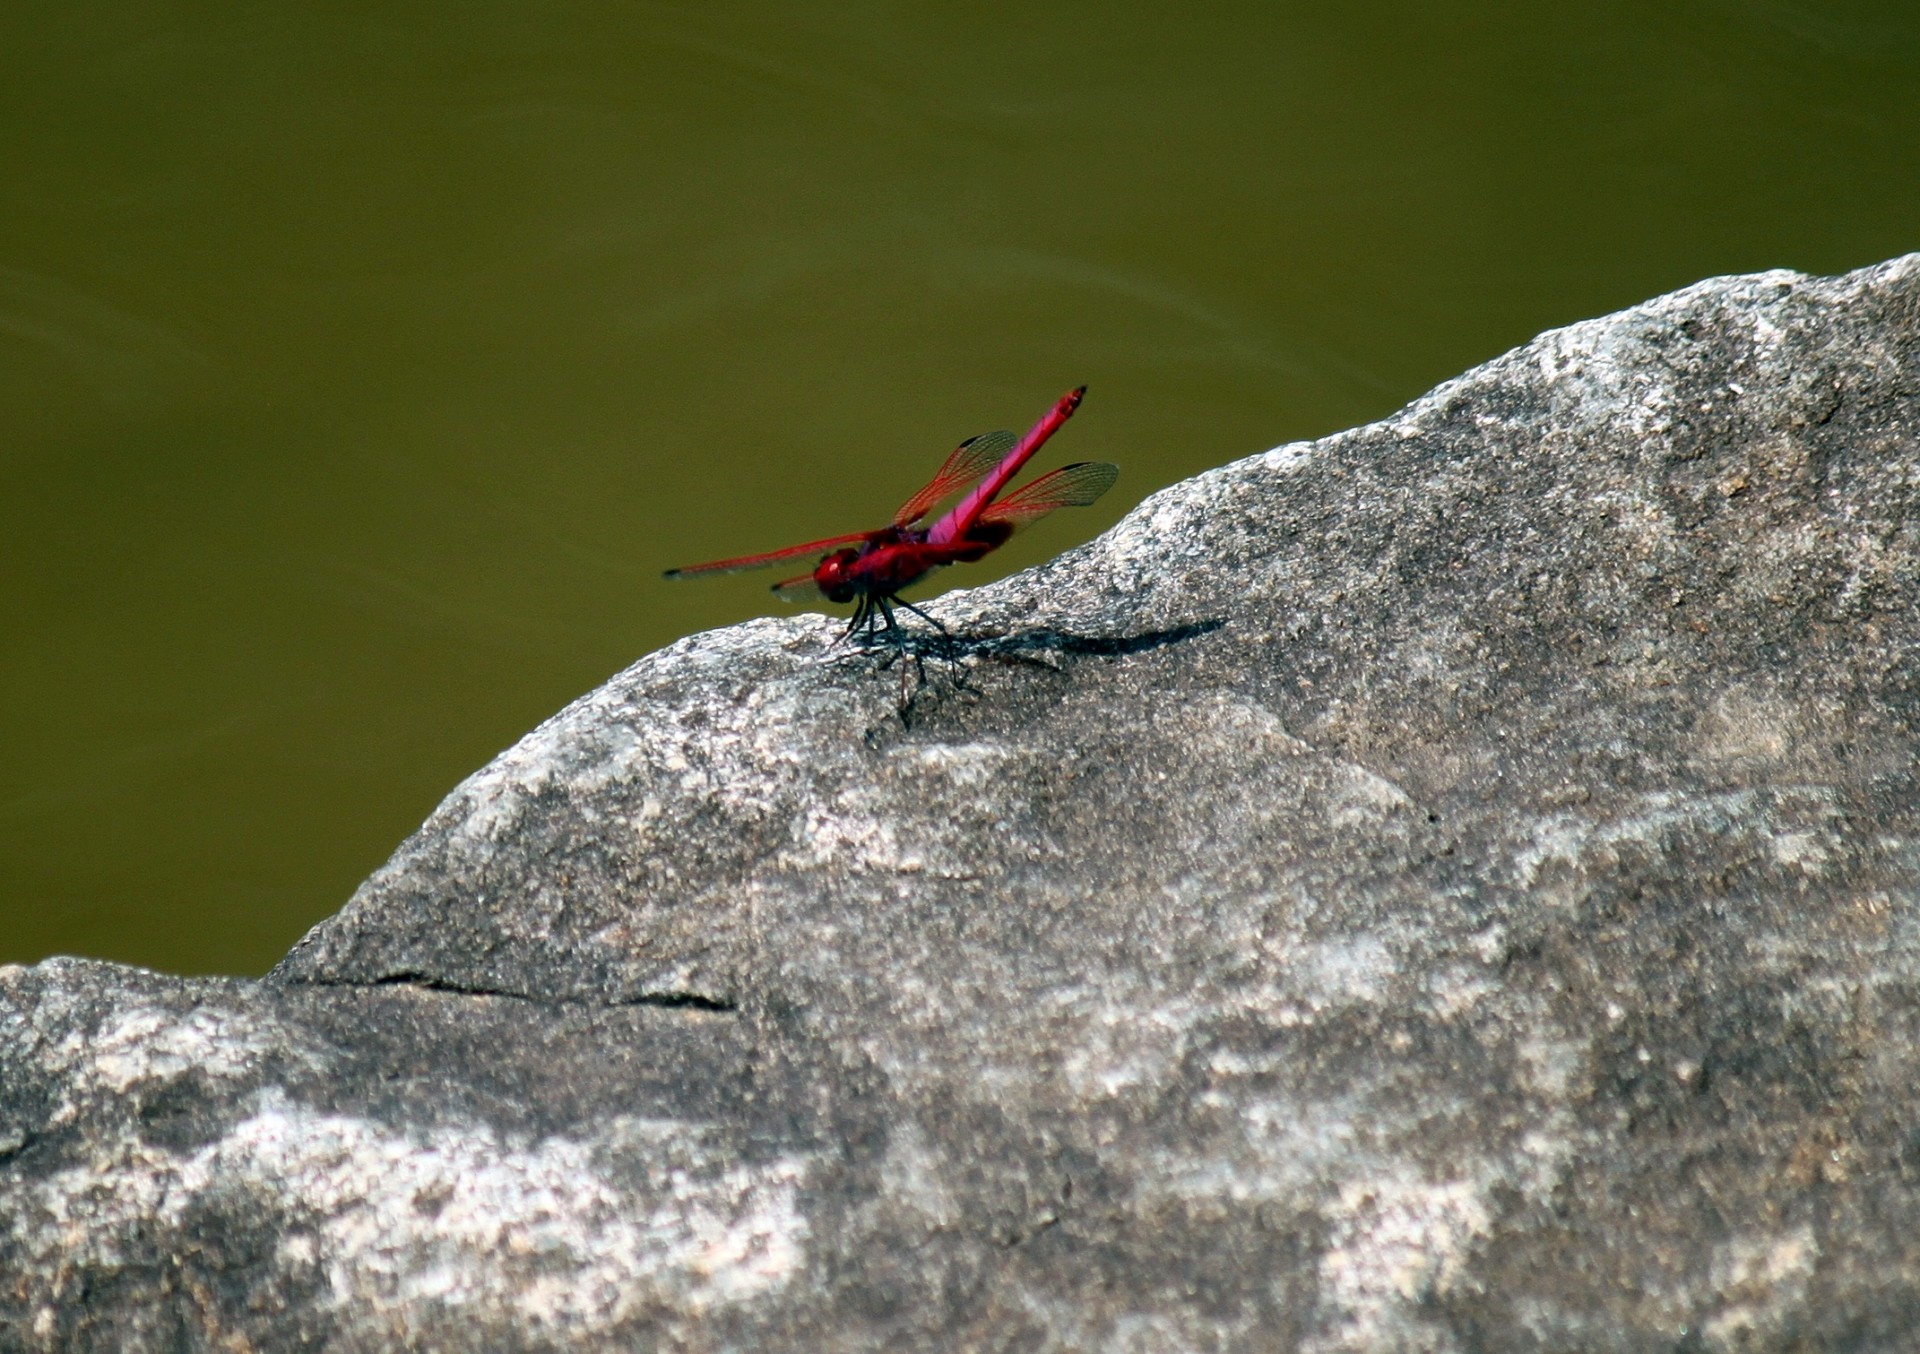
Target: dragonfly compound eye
x,y
833,577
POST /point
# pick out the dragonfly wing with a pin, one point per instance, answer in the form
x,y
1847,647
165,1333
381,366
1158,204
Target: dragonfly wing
x,y
799,588
965,464
1071,486
957,522
728,566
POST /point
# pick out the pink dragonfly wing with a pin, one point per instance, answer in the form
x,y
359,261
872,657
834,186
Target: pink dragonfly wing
x,y
760,561
1071,486
799,588
964,464
986,463
958,520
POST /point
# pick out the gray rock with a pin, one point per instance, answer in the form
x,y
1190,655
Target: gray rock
x,y
1450,886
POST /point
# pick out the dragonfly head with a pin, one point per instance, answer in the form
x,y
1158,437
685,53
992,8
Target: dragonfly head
x,y
834,575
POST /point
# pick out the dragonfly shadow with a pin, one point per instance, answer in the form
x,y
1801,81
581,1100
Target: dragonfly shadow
x,y
1026,648
1019,645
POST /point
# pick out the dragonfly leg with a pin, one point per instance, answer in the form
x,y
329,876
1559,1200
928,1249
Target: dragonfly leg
x,y
871,616
902,641
862,615
868,616
946,635
899,647
923,616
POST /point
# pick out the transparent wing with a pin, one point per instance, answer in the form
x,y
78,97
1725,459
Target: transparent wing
x,y
799,588
729,566
1071,486
964,464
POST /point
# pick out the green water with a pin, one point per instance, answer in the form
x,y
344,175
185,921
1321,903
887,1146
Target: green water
x,y
361,366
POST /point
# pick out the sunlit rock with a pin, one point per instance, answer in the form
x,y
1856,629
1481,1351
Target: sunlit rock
x,y
1451,885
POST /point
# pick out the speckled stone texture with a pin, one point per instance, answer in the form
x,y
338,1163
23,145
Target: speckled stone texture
x,y
1450,886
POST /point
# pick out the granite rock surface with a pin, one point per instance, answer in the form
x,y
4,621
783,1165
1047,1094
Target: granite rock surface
x,y
1450,886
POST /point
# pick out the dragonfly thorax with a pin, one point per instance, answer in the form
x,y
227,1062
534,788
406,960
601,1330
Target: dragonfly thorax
x,y
891,559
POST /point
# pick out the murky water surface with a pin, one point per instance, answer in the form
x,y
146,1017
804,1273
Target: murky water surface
x,y
361,366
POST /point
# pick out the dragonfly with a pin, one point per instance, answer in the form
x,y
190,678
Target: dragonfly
x,y
872,568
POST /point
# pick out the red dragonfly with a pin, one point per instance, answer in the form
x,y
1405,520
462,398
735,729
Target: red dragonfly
x,y
875,566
